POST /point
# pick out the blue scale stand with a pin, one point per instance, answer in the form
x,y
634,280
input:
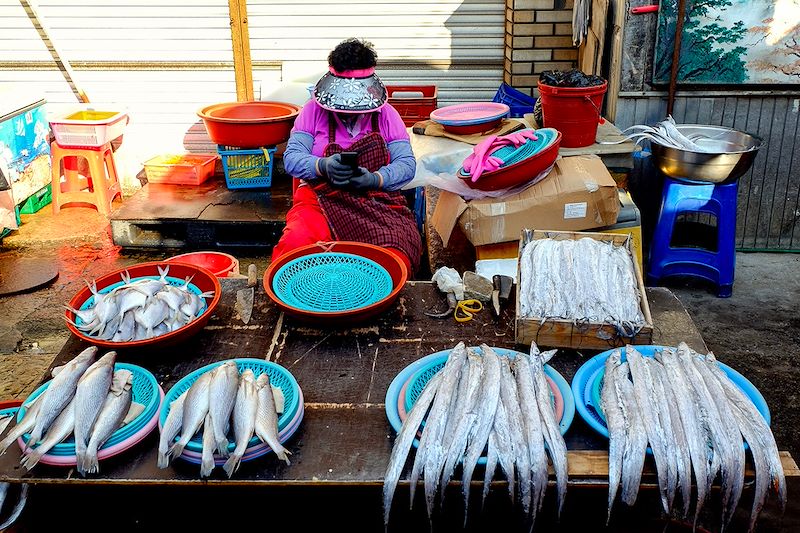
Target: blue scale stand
x,y
687,196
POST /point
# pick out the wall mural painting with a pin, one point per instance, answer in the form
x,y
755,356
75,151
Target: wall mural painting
x,y
731,42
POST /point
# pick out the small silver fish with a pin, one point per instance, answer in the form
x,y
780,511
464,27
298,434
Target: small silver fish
x,y
195,409
616,423
633,455
60,392
266,427
90,396
115,408
170,430
207,463
60,429
24,425
245,410
222,395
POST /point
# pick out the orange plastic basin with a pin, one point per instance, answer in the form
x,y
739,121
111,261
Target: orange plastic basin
x,y
249,124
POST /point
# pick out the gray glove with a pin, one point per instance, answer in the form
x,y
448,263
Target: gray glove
x,y
365,180
334,170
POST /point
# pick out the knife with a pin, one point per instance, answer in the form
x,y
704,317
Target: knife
x,y
501,291
244,297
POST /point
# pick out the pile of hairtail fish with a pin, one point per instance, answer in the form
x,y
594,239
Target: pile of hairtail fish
x,y
87,399
580,280
139,309
695,419
219,400
666,133
483,403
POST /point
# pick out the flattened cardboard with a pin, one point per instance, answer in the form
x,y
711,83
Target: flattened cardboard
x,y
578,194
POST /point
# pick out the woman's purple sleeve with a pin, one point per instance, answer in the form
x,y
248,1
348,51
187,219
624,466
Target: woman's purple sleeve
x,y
297,158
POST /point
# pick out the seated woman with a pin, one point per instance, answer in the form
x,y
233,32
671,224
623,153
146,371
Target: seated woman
x,y
333,200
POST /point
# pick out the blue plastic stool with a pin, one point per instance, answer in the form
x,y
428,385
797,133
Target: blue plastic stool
x,y
684,196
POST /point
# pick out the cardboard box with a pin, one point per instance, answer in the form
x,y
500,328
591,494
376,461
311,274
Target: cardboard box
x,y
558,333
579,193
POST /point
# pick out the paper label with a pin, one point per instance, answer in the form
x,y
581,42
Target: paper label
x,y
576,210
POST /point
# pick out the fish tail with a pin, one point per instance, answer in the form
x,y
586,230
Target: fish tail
x,y
207,465
177,449
207,294
163,459
30,460
163,272
91,464
283,454
222,447
232,464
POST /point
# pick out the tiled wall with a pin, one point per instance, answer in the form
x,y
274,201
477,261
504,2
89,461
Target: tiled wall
x,y
538,37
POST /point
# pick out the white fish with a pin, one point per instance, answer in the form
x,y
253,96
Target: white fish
x,y
90,396
761,440
516,424
60,429
195,409
556,446
222,395
486,407
24,426
151,315
430,453
60,392
170,430
266,427
244,419
633,455
616,423
115,408
18,507
503,442
207,463
403,442
465,419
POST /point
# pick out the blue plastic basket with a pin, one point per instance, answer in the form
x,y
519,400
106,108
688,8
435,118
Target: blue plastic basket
x,y
145,391
331,282
247,168
519,102
175,282
588,378
510,154
279,377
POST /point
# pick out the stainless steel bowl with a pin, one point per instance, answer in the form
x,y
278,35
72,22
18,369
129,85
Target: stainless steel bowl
x,y
733,153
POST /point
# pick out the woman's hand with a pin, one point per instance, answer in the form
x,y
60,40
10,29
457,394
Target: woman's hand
x,y
332,168
366,180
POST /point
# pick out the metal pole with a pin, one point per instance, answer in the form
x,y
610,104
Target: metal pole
x,y
676,56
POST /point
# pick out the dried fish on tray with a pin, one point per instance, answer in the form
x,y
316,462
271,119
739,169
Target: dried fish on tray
x,y
580,290
480,406
698,417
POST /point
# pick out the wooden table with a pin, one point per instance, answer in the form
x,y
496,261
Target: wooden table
x,y
341,450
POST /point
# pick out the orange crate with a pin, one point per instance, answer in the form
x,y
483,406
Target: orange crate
x,y
413,102
185,169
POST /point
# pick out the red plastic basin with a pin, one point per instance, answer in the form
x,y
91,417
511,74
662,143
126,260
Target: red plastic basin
x,y
201,278
218,263
249,124
388,260
516,174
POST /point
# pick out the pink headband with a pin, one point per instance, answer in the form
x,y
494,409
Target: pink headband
x,y
362,73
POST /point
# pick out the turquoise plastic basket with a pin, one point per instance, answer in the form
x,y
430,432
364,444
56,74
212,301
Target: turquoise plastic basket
x,y
247,168
175,282
145,391
331,282
278,376
514,154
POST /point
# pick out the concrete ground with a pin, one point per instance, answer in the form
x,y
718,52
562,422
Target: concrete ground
x,y
757,331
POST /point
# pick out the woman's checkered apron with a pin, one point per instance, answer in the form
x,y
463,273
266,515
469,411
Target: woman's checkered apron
x,y
375,217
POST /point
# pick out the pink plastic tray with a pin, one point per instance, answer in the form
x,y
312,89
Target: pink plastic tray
x,y
470,113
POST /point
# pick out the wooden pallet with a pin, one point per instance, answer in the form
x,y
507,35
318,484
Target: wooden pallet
x,y
204,216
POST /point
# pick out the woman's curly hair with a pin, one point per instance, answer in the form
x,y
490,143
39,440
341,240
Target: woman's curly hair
x,y
353,54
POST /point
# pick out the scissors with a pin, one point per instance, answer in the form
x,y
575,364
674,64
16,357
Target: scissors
x,y
467,309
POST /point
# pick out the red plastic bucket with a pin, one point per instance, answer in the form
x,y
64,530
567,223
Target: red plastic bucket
x,y
218,263
574,111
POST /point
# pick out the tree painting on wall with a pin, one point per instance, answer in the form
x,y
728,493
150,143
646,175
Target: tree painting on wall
x,y
731,42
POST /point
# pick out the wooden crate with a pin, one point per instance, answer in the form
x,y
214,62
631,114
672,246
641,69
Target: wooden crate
x,y
558,333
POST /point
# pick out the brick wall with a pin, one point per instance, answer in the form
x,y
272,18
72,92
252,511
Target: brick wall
x,y
538,37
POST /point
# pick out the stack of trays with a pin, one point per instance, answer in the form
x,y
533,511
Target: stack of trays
x,y
288,421
146,391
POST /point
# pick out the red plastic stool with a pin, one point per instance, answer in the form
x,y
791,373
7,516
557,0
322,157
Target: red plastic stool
x,y
99,188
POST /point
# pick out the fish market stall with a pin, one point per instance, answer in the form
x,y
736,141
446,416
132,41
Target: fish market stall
x,y
341,448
